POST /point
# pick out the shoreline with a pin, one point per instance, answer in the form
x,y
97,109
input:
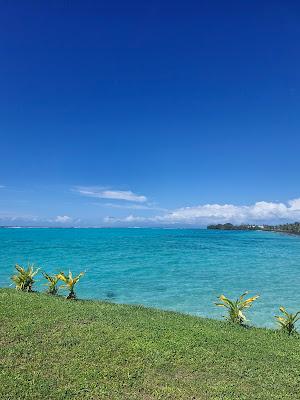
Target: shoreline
x,y
108,350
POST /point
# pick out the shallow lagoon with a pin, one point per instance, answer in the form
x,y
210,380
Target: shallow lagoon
x,y
175,269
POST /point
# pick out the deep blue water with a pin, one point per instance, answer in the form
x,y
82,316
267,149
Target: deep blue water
x,y
183,270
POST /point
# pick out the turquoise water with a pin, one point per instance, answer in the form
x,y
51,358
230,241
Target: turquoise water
x,y
182,270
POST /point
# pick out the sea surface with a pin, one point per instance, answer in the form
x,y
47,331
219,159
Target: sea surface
x,y
174,269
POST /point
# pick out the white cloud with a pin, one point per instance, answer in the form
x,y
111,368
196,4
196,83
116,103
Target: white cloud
x,y
228,212
101,193
260,212
129,218
33,220
294,204
133,206
62,219
11,218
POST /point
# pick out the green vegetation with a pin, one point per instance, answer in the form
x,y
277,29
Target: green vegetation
x,y
52,284
286,228
70,282
287,321
56,349
231,227
236,308
24,279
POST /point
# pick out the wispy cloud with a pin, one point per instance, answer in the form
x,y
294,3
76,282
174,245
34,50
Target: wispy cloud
x,y
128,219
63,219
134,206
260,212
2,186
28,220
102,193
6,218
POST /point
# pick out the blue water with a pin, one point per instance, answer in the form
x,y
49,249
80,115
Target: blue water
x,y
182,270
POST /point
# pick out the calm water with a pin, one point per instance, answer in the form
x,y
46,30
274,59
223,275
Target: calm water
x,y
182,270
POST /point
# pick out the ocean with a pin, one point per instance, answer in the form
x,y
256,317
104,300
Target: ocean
x,y
173,269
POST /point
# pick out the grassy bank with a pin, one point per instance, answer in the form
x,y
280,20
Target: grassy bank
x,y
52,348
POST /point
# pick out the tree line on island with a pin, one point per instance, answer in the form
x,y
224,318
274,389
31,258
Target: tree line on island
x,y
286,228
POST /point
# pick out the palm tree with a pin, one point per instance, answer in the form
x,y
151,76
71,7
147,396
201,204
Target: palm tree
x,y
52,283
287,321
235,308
24,279
70,282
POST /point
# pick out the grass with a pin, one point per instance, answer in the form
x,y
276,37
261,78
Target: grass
x,y
52,348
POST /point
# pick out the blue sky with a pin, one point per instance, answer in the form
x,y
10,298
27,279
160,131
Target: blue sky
x,y
149,113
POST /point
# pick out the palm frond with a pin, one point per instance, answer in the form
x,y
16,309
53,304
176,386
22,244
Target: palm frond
x,y
24,279
287,321
235,308
69,282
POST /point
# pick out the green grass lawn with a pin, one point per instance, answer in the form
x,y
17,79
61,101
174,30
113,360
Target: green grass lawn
x,y
52,348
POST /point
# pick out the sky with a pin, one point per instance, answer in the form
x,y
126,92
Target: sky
x,y
152,113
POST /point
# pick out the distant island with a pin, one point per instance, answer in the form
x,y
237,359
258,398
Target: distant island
x,y
286,228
